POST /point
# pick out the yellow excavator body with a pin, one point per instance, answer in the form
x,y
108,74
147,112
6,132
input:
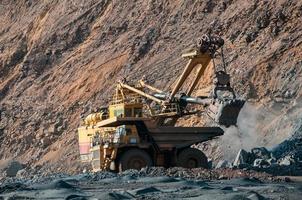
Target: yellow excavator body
x,y
138,129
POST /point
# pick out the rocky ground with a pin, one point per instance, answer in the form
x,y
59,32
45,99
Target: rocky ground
x,y
154,183
59,61
283,159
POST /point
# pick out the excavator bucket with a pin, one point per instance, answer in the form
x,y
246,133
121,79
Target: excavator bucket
x,y
226,112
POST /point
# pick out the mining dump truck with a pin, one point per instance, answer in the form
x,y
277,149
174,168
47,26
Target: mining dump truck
x,y
138,127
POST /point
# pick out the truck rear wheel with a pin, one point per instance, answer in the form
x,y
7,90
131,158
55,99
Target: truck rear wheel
x,y
134,159
192,158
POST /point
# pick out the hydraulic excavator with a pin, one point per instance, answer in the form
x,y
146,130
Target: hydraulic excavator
x,y
138,129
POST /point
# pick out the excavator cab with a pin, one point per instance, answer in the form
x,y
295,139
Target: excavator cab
x,y
126,103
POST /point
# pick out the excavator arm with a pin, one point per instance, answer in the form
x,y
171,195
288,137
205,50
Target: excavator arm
x,y
224,110
206,49
196,60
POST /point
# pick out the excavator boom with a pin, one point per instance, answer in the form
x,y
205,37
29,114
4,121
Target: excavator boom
x,y
224,110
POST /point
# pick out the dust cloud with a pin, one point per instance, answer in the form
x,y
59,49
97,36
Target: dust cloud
x,y
245,136
262,126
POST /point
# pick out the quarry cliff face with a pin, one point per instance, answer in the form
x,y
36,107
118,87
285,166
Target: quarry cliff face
x,y
59,60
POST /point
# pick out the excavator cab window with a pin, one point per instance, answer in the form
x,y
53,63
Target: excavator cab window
x,y
138,112
119,113
128,112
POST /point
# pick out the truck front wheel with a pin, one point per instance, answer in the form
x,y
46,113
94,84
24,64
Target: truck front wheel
x,y
192,158
134,159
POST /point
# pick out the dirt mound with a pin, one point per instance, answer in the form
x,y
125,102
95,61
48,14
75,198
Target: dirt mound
x,y
60,59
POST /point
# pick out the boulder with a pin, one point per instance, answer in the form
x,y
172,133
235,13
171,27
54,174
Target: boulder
x,y
261,152
12,168
241,158
290,146
286,161
261,163
21,173
271,160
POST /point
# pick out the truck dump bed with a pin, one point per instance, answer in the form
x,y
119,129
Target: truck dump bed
x,y
169,137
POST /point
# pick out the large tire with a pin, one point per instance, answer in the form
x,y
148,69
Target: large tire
x,y
192,158
134,159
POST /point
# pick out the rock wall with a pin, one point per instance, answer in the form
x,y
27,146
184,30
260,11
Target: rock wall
x,y
59,60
